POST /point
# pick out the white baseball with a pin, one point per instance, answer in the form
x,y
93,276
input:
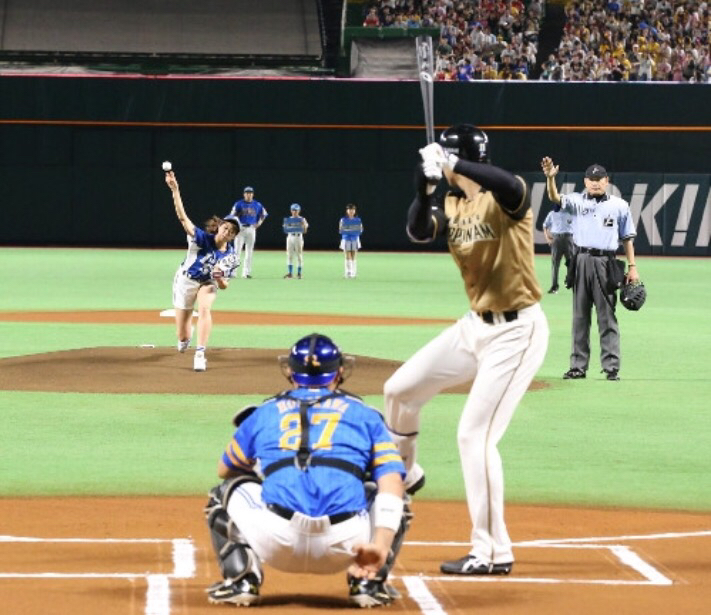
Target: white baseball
x,y
167,166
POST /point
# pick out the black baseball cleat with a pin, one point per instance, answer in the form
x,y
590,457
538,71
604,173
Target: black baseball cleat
x,y
553,290
368,593
471,565
574,374
612,374
244,592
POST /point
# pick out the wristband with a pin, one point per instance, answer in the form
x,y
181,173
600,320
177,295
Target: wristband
x,y
387,511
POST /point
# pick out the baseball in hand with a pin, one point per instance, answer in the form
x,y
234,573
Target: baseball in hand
x,y
167,166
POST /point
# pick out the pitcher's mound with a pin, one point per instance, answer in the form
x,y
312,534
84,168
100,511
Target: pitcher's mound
x,y
242,371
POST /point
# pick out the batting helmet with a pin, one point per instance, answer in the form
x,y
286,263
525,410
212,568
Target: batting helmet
x,y
466,141
633,296
295,207
314,360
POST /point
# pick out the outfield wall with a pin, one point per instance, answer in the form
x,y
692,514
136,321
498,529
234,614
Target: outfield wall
x,y
80,156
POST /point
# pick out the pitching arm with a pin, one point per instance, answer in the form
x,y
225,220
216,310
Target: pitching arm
x,y
172,182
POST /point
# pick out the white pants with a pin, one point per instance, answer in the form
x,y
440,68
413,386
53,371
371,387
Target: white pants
x,y
185,291
300,544
501,359
295,249
245,239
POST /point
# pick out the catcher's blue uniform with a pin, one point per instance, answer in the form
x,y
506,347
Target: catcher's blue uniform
x,y
341,427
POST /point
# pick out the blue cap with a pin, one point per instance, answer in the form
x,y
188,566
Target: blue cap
x,y
248,189
232,219
295,207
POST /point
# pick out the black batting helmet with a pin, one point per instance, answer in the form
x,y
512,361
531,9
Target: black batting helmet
x,y
633,296
466,141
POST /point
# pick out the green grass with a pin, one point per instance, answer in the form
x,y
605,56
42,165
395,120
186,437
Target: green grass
x,y
641,442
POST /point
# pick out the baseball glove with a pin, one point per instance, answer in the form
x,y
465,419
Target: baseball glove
x,y
633,296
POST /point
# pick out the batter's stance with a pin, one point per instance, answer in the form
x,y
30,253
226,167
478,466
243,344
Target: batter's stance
x,y
251,215
499,344
311,511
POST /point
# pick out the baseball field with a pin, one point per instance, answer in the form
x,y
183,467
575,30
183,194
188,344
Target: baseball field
x,y
110,441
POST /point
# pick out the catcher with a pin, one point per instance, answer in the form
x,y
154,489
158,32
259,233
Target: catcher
x,y
310,508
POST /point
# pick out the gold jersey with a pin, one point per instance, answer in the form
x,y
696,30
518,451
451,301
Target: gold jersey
x,y
494,253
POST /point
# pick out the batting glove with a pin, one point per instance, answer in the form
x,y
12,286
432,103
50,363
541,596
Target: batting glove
x,y
450,160
432,153
432,170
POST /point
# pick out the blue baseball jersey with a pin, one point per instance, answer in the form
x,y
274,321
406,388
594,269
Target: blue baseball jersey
x,y
558,222
248,213
599,223
203,255
294,224
350,228
341,427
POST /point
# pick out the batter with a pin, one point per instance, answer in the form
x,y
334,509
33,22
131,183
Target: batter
x,y
499,344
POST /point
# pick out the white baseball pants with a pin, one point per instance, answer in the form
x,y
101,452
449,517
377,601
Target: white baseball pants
x,y
501,359
300,544
245,239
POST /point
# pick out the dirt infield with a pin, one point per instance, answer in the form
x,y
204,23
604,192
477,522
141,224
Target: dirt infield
x,y
151,556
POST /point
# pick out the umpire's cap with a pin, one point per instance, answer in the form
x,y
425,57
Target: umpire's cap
x,y
595,171
466,141
315,360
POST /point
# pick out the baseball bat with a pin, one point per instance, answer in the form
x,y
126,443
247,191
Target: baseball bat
x,y
425,65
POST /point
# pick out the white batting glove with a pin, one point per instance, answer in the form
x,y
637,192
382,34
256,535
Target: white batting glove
x,y
432,153
450,160
432,170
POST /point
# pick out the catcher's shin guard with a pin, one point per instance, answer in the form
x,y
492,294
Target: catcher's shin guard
x,y
234,555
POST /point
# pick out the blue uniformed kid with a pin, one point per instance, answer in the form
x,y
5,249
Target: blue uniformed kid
x,y
295,227
351,228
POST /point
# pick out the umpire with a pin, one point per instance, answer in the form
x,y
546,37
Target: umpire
x,y
558,229
602,221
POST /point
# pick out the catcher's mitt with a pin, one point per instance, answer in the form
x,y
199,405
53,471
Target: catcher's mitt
x,y
633,296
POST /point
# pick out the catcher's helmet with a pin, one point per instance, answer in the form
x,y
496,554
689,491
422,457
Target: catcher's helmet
x,y
633,296
466,141
314,360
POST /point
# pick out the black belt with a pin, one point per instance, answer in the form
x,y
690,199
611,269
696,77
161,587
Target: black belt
x,y
563,234
287,513
295,234
596,252
488,316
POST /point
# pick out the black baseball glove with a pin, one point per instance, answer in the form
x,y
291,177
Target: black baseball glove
x,y
633,296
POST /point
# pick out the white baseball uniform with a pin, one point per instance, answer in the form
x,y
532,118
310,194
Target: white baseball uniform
x,y
499,345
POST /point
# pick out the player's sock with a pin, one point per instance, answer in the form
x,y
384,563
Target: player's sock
x,y
200,349
298,271
290,268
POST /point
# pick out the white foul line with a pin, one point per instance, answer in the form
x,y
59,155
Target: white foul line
x,y
158,595
419,592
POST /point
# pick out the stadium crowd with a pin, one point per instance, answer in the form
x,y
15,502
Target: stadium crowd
x,y
601,40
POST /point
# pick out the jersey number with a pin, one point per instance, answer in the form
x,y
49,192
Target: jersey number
x,y
290,426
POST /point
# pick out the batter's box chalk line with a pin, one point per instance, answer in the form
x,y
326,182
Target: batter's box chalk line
x,y
622,552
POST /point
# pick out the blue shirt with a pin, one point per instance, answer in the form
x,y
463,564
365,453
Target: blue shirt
x,y
341,427
350,228
558,222
294,224
248,213
203,255
599,224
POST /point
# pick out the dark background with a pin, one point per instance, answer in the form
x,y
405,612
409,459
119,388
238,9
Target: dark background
x,y
80,156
